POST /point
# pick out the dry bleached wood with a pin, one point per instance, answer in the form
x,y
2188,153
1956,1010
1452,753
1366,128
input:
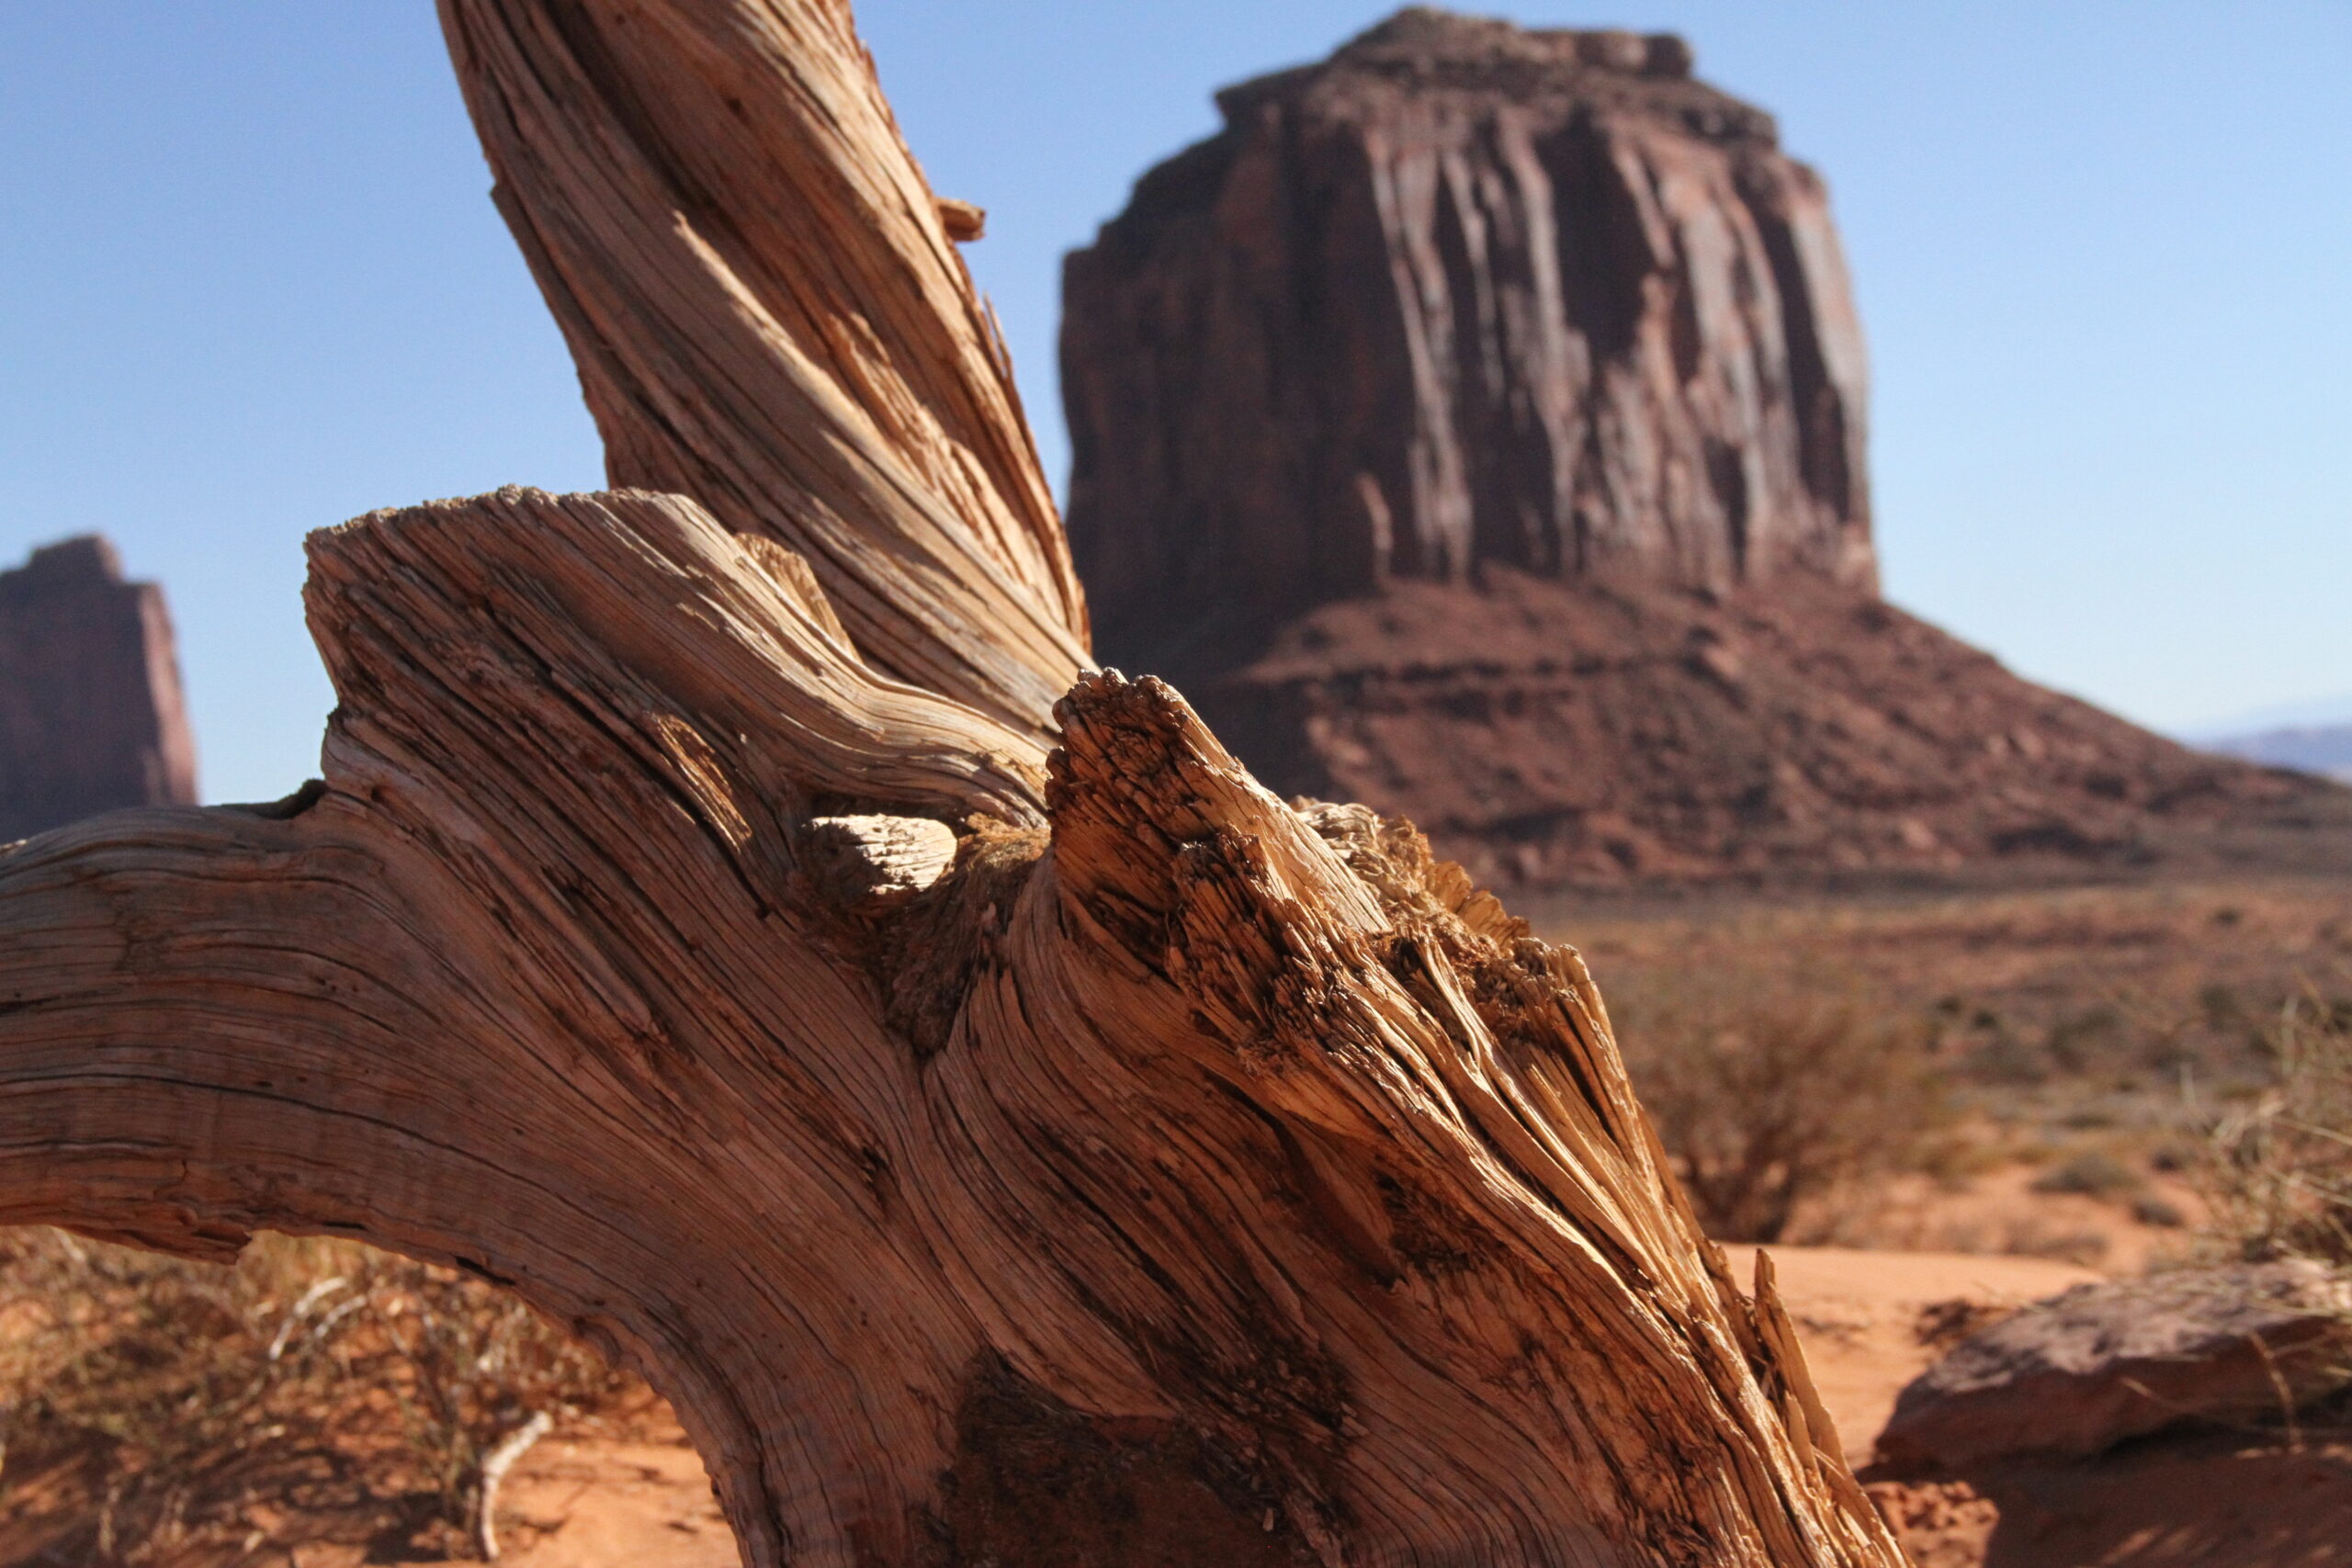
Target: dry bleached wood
x,y
502,1459
1174,1178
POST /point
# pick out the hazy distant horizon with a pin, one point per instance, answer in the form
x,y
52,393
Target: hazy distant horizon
x,y
255,287
2320,714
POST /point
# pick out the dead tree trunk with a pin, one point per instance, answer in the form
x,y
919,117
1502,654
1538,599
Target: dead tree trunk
x,y
1006,1131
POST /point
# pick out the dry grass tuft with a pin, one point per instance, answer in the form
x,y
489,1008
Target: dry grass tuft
x,y
2278,1179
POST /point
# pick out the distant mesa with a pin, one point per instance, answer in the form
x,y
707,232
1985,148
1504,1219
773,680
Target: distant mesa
x,y
1475,426
91,714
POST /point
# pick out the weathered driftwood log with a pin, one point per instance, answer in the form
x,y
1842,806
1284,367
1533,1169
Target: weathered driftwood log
x,y
1006,1135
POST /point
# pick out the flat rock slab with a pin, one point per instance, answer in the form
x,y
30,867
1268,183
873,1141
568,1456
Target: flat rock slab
x,y
2087,1370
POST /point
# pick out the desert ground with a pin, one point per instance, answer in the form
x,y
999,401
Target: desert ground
x,y
2080,1038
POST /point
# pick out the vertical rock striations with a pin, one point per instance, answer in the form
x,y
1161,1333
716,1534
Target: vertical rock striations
x,y
1462,295
91,717
1474,428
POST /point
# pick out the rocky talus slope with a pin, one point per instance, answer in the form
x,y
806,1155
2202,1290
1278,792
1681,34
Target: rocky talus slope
x,y
1549,732
91,714
1474,427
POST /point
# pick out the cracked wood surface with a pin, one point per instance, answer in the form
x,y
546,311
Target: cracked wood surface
x,y
1006,1135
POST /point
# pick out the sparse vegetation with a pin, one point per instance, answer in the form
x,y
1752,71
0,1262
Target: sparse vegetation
x,y
158,1405
2094,1035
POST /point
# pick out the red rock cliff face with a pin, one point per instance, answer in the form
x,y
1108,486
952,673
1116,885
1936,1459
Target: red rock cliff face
x,y
1462,295
91,716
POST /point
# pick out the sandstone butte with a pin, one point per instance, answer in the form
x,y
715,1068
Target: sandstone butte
x,y
1474,427
91,716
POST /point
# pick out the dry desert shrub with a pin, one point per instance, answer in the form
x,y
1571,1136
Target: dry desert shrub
x,y
151,1405
1775,1091
2093,1173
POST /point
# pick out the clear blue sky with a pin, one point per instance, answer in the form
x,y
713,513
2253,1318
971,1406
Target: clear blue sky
x,y
251,284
